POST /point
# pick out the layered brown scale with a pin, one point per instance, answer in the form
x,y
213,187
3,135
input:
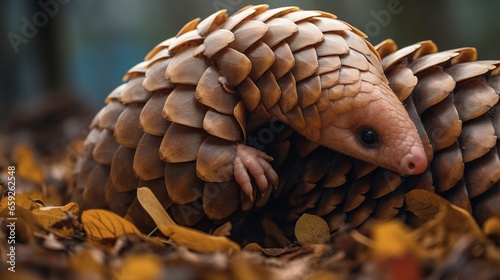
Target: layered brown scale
x,y
175,123
454,101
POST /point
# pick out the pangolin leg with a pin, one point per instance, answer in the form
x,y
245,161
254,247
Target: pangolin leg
x,y
250,161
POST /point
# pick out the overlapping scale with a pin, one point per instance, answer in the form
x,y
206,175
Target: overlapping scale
x,y
455,103
175,124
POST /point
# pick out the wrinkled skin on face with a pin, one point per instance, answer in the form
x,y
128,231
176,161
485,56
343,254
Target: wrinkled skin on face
x,y
379,132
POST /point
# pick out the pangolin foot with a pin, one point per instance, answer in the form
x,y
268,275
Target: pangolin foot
x,y
250,161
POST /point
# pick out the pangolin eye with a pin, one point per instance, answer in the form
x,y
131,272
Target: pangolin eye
x,y
368,137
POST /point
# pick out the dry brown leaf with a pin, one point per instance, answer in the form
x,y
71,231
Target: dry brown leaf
x,y
311,229
271,252
27,165
424,204
199,241
102,224
438,212
154,208
47,217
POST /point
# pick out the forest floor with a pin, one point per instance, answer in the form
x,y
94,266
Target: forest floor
x,y
44,236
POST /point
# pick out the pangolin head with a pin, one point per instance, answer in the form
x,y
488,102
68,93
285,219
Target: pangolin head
x,y
378,131
365,118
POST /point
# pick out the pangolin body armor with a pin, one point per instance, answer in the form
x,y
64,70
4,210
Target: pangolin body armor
x,y
262,74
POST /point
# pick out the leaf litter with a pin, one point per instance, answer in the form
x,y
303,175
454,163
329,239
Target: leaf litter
x,y
60,242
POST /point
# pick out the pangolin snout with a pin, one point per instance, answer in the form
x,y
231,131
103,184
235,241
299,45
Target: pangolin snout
x,y
415,162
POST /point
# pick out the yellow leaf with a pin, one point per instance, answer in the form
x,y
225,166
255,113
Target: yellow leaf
x,y
48,216
27,165
223,230
247,270
198,241
253,247
18,201
311,229
438,212
324,275
492,228
72,208
87,263
56,218
25,224
393,240
102,224
140,267
154,208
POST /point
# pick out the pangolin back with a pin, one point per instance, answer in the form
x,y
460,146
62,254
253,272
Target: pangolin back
x,y
174,124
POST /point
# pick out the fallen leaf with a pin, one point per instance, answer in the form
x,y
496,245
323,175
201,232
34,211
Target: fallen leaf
x,y
88,263
271,252
311,229
102,224
243,269
324,275
198,241
223,230
154,208
18,201
27,166
72,208
492,228
437,211
48,217
145,266
25,224
424,204
393,240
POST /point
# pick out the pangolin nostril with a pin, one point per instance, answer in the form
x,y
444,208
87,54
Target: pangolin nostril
x,y
415,162
411,166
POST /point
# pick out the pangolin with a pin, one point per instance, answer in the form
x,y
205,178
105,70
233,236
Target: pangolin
x,y
454,102
289,111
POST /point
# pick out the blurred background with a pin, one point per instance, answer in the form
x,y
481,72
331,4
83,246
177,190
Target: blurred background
x,y
60,58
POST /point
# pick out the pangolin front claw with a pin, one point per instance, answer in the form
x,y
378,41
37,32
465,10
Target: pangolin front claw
x,y
250,161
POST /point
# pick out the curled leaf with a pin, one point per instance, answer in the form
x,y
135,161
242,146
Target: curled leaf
x,y
438,212
424,204
152,205
198,241
102,224
311,229
54,218
223,230
72,208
